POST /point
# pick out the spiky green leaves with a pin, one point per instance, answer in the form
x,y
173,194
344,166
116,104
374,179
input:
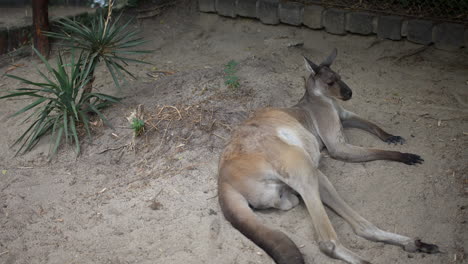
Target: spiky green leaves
x,y
59,104
106,40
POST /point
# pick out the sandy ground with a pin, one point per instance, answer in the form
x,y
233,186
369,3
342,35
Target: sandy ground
x,y
154,199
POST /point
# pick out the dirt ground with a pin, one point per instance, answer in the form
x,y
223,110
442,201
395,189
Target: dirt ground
x,y
153,199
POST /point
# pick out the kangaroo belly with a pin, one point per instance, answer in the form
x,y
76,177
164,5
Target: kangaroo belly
x,y
300,137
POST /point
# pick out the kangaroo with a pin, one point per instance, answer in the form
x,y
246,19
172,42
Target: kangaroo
x,y
273,157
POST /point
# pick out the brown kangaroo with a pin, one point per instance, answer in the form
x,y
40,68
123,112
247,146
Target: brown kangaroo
x,y
273,157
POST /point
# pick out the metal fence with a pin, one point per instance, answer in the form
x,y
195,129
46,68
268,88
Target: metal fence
x,y
445,10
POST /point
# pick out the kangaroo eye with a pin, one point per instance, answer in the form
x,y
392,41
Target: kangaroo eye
x,y
331,82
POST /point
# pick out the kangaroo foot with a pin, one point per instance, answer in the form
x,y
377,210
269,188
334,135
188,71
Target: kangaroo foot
x,y
337,251
419,246
411,159
395,140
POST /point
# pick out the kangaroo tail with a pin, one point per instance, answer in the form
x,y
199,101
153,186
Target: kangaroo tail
x,y
237,211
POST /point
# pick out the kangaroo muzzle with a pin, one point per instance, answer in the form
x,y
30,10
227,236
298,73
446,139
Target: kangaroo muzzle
x,y
345,92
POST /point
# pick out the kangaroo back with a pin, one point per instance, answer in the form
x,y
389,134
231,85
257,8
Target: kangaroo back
x,y
275,243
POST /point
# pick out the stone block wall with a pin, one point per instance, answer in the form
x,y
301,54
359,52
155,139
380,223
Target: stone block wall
x,y
443,35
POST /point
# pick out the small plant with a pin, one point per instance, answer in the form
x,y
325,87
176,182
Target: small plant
x,y
104,40
138,126
65,102
60,104
230,78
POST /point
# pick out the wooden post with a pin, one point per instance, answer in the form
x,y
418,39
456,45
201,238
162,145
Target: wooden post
x,y
40,24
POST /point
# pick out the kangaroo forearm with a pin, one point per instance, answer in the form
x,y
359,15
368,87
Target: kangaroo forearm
x,y
356,122
351,153
362,155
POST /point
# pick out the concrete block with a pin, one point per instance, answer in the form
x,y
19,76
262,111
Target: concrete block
x,y
206,5
448,36
291,13
334,21
420,31
267,11
312,16
389,27
3,40
360,23
247,8
404,28
226,7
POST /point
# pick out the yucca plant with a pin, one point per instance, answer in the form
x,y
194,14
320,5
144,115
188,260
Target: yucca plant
x,y
105,40
60,105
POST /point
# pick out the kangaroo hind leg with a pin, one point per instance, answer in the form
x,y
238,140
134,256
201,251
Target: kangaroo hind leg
x,y
364,228
298,171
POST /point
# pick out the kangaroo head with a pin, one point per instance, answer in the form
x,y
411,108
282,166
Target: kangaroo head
x,y
323,81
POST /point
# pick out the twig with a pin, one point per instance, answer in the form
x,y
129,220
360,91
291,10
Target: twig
x,y
426,115
412,53
160,191
116,148
109,14
375,42
404,55
170,106
155,7
149,14
4,252
209,198
164,135
220,136
153,11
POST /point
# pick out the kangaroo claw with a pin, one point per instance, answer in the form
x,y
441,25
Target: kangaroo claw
x,y
395,140
419,246
411,159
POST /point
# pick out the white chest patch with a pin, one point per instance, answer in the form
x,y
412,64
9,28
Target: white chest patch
x,y
289,136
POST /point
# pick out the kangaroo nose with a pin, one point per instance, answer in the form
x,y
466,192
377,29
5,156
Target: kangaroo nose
x,y
347,94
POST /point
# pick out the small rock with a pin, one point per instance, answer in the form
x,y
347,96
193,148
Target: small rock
x,y
212,212
155,205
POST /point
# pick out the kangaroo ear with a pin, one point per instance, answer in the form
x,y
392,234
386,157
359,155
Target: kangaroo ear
x,y
310,66
329,60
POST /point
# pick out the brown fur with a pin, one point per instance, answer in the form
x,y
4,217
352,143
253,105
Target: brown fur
x,y
273,157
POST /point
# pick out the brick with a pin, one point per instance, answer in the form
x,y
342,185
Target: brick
x,y
3,40
226,7
389,27
312,16
247,8
206,5
291,13
448,36
267,11
334,21
420,31
360,23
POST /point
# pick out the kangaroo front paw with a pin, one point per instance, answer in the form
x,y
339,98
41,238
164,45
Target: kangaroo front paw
x,y
411,159
395,140
419,246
